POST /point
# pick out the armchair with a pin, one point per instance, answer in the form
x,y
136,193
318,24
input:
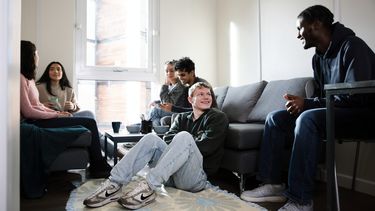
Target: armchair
x,y
361,87
50,149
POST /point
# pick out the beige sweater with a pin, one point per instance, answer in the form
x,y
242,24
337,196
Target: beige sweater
x,y
62,95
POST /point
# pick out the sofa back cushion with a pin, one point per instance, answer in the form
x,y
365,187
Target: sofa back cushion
x,y
220,93
239,101
272,96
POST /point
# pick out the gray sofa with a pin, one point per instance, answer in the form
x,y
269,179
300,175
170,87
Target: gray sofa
x,y
247,107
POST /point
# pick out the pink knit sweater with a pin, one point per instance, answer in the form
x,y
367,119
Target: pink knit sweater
x,y
31,108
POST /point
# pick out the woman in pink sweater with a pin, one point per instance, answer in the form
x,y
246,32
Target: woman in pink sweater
x,y
36,113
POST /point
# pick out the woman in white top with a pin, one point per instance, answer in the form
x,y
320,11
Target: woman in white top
x,y
55,91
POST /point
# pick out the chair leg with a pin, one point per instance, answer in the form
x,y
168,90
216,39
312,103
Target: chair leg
x,y
84,176
242,182
355,165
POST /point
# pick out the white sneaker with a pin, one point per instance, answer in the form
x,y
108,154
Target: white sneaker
x,y
141,196
293,206
106,193
265,193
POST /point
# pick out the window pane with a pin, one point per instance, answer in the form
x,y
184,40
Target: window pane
x,y
120,33
114,100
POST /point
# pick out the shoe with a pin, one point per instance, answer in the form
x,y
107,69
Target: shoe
x,y
106,193
293,206
141,196
265,193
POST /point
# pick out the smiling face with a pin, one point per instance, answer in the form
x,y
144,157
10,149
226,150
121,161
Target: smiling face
x,y
185,77
55,72
306,33
201,98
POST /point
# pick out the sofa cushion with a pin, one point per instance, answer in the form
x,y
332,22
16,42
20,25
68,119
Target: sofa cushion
x,y
272,96
244,136
310,88
239,101
220,93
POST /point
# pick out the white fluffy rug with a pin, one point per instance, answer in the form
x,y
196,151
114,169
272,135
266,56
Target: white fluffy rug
x,y
211,199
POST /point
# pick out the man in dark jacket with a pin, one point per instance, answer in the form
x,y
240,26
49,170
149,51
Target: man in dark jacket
x,y
195,150
340,56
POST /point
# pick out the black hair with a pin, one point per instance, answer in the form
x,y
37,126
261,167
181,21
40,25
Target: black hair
x,y
185,64
64,82
317,13
28,66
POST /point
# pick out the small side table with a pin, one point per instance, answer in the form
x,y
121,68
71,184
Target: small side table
x,y
360,87
121,137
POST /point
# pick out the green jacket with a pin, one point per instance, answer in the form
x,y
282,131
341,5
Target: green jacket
x,y
209,132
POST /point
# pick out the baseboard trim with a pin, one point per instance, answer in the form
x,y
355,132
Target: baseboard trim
x,y
345,181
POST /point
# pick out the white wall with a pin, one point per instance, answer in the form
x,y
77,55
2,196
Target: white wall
x,y
360,18
9,103
237,42
188,28
29,20
50,25
282,53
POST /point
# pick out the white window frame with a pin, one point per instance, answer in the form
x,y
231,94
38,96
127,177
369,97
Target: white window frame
x,y
84,72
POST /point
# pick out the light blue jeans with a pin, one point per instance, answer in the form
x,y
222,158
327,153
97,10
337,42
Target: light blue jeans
x,y
85,113
179,164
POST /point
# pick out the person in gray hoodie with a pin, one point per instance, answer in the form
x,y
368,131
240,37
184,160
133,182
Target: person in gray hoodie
x,y
340,56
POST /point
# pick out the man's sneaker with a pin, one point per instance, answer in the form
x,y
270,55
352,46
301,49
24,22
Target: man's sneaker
x,y
141,196
292,206
106,193
265,193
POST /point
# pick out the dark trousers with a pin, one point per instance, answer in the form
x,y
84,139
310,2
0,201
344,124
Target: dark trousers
x,y
305,133
96,158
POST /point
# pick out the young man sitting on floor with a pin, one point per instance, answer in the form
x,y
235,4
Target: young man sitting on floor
x,y
195,151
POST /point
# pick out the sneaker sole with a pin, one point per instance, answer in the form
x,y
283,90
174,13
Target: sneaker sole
x,y
104,202
265,199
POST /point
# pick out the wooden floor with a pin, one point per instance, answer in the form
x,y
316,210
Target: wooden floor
x,y
60,185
